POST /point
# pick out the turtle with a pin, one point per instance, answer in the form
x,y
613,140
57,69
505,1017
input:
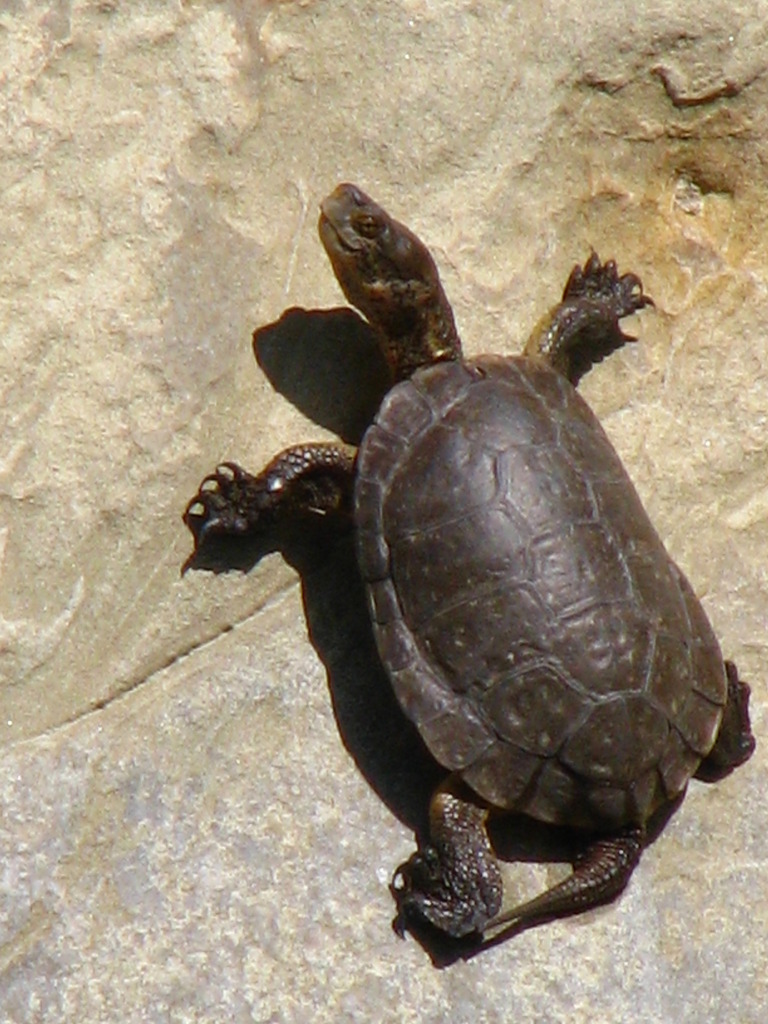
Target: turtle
x,y
554,659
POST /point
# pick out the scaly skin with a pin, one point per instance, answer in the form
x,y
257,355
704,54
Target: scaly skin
x,y
583,328
455,882
389,275
307,482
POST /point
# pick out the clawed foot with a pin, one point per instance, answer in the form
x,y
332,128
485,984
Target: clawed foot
x,y
585,326
230,502
601,281
309,483
456,897
454,883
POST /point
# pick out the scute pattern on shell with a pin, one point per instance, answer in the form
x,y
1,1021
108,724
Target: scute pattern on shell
x,y
533,624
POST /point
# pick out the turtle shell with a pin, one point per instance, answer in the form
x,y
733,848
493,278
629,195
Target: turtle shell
x,y
531,621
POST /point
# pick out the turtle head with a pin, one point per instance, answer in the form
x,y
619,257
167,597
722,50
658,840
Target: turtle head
x,y
387,273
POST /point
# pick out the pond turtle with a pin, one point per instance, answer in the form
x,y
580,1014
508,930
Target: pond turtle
x,y
553,657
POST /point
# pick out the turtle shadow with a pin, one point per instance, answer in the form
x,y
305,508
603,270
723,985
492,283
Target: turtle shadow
x,y
328,364
382,742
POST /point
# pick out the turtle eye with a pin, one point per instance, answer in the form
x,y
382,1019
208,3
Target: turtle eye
x,y
366,225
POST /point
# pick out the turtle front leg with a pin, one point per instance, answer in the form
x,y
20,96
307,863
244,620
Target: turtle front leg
x,y
584,327
305,482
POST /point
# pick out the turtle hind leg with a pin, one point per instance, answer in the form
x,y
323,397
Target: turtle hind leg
x,y
598,876
305,482
735,742
584,327
454,883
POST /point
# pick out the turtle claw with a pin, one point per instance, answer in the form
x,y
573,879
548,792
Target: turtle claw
x,y
229,502
224,472
601,281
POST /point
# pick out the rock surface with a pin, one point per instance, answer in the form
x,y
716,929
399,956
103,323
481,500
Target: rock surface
x,y
199,821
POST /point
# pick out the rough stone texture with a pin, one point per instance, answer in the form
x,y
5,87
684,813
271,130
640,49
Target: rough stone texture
x,y
188,832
